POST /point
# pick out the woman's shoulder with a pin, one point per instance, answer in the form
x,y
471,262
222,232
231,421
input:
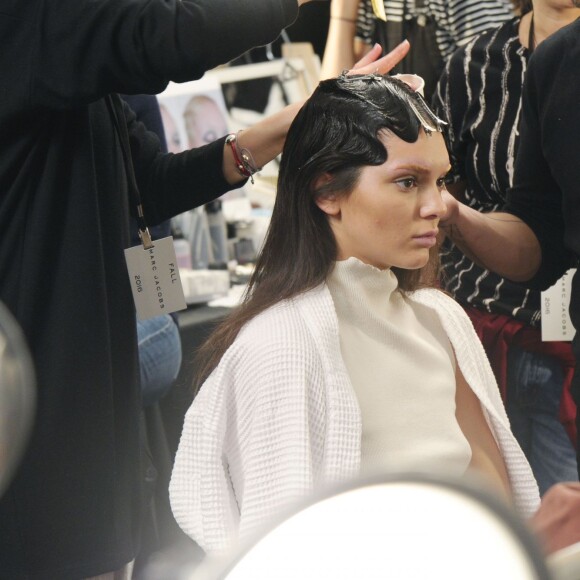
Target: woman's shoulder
x,y
561,48
445,305
275,348
497,35
277,319
479,48
423,294
291,323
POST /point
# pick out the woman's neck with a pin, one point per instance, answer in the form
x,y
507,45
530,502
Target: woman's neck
x,y
544,21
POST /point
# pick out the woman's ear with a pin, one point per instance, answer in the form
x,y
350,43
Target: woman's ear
x,y
329,202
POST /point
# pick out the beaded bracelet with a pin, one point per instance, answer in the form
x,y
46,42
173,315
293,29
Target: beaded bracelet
x,y
244,160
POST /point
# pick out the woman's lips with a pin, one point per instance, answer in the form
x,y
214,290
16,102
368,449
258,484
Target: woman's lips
x,y
428,239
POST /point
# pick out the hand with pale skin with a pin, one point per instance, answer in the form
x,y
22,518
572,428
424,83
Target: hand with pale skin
x,y
557,521
372,62
266,138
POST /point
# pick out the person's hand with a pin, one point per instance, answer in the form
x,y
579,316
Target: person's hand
x,y
452,209
372,62
416,82
557,521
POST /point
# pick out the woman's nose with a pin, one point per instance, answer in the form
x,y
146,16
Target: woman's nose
x,y
433,205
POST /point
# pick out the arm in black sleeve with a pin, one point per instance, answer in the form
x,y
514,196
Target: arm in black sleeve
x,y
83,49
547,159
173,183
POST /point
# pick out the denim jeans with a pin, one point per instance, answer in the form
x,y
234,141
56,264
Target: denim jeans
x,y
534,389
159,356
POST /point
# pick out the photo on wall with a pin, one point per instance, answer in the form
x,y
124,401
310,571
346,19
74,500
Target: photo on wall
x,y
193,113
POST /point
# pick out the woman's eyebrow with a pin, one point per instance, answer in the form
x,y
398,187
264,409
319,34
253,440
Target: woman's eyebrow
x,y
411,167
417,168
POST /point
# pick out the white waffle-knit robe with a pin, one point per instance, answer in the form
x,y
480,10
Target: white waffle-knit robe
x,y
278,419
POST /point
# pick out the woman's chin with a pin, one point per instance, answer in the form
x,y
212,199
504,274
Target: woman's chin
x,y
415,263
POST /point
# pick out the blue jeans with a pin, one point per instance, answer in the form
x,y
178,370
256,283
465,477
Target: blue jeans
x,y
159,356
534,389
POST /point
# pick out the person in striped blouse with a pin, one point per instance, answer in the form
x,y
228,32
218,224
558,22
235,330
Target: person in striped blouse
x,y
480,95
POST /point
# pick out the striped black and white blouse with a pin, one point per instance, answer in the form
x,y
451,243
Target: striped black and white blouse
x,y
479,94
457,20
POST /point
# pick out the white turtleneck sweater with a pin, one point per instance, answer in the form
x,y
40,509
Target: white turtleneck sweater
x,y
402,367
279,418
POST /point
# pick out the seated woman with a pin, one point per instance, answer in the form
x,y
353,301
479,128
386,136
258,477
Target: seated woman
x,y
343,359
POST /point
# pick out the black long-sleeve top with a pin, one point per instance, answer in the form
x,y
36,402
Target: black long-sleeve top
x,y
73,509
546,191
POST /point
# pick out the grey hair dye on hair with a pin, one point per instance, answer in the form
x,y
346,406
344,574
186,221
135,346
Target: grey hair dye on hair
x,y
391,86
338,129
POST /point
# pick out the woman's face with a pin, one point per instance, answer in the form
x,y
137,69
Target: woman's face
x,y
391,216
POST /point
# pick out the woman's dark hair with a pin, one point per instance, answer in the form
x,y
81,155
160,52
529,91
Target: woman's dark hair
x,y
334,135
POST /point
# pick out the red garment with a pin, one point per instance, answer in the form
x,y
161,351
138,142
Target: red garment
x,y
498,332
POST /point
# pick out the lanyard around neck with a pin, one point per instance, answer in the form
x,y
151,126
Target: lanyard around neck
x,y
116,108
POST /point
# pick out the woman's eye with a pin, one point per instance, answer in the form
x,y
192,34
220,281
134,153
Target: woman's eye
x,y
441,183
407,182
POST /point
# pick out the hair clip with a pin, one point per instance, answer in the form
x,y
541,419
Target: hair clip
x,y
375,76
